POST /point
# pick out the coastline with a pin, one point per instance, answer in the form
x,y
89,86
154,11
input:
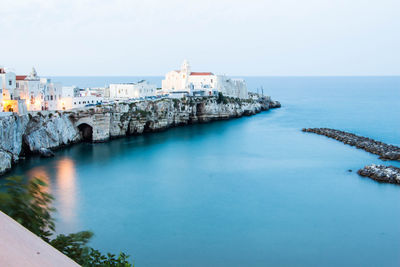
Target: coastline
x,y
44,131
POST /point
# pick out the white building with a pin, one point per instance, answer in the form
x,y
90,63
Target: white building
x,y
132,90
39,93
67,103
93,91
184,81
7,86
52,94
70,91
28,88
74,97
22,93
9,98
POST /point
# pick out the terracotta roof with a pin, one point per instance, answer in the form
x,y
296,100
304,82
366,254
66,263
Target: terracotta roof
x,y
20,77
201,73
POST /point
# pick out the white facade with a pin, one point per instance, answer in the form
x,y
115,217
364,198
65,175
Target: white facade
x,y
132,90
52,94
70,91
67,103
94,91
29,89
39,93
21,93
202,83
7,88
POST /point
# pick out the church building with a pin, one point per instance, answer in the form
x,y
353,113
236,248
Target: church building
x,y
186,82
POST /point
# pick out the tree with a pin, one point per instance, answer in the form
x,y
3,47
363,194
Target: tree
x,y
30,205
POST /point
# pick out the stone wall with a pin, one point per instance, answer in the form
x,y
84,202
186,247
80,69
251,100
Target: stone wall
x,y
38,131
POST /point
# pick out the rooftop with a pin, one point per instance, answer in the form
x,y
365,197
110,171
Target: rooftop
x,y
20,77
201,73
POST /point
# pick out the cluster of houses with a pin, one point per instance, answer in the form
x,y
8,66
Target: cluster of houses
x,y
22,93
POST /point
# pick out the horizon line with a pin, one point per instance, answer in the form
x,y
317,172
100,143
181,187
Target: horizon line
x,y
232,75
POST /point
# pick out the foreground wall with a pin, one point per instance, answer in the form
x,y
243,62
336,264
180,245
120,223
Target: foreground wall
x,y
22,136
20,247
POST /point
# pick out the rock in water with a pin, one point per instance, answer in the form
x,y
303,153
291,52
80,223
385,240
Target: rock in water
x,y
381,173
46,153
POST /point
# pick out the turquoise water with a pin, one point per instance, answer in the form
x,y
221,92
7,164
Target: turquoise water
x,y
254,191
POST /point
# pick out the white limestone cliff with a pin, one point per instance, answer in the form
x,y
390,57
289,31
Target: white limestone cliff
x,y
41,131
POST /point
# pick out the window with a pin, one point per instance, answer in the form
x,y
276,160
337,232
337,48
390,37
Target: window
x,y
79,102
51,97
9,82
74,103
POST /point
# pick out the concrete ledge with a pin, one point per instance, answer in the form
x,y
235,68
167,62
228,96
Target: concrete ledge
x,y
20,247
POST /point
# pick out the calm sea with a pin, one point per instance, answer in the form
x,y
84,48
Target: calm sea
x,y
254,191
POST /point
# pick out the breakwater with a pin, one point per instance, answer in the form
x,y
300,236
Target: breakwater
x,y
385,151
40,132
381,173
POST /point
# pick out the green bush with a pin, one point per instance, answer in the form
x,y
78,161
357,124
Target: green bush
x,y
176,103
222,99
142,113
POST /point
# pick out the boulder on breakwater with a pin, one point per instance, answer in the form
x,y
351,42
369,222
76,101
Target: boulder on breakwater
x,y
381,173
385,151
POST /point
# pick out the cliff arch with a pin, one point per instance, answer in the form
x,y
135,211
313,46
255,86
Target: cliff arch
x,y
86,132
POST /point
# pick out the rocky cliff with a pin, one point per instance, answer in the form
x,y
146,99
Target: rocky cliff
x,y
38,131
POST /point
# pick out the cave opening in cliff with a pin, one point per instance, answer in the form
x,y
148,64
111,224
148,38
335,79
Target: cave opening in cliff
x,y
86,132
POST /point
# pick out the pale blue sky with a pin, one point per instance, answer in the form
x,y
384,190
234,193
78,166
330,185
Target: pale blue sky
x,y
149,37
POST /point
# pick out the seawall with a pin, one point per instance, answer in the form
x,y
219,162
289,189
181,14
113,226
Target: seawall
x,y
39,132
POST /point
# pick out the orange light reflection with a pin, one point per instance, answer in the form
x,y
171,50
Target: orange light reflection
x,y
66,183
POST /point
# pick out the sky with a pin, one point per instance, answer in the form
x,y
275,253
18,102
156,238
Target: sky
x,y
152,37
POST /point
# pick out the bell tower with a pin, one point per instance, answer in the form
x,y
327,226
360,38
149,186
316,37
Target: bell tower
x,y
185,68
33,75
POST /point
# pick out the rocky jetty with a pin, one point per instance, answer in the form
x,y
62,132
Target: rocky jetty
x,y
41,132
385,151
381,173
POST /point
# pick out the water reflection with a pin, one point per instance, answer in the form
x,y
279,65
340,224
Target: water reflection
x,y
66,185
42,174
